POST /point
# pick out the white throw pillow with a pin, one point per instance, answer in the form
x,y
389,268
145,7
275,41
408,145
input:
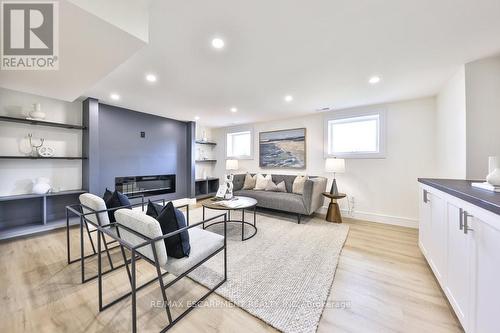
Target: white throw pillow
x,y
261,182
281,187
271,186
249,182
298,184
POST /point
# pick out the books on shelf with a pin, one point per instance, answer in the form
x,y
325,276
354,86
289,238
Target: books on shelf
x,y
487,186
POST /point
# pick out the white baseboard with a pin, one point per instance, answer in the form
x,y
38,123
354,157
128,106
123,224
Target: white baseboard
x,y
377,218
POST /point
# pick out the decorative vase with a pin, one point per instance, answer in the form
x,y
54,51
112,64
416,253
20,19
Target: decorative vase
x,y
37,112
494,177
41,185
493,163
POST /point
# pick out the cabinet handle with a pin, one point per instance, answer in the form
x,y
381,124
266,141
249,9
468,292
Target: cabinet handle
x,y
466,227
426,196
461,224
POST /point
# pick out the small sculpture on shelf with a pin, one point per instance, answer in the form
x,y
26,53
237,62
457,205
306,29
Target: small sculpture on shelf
x,y
41,185
36,113
228,182
493,177
45,151
35,147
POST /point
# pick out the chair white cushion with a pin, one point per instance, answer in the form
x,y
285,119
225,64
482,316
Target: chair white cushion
x,y
203,243
145,225
96,204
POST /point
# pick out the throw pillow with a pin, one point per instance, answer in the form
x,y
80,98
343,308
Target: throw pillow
x,y
271,186
281,187
107,195
298,184
261,182
117,200
154,210
249,182
172,219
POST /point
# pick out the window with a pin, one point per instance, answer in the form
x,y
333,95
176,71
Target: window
x,y
239,145
355,135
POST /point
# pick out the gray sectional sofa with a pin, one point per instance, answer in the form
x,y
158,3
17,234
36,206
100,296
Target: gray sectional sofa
x,y
300,204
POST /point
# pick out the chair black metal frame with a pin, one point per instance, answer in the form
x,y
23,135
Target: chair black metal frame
x,y
77,210
131,271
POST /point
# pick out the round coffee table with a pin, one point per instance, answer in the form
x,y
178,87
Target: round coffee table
x,y
243,203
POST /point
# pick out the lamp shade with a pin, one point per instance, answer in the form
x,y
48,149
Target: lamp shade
x,y
231,164
336,165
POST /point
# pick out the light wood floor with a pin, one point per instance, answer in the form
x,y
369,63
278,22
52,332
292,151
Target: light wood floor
x,y
382,284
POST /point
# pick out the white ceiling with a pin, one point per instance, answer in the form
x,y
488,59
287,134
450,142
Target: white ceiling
x,y
320,51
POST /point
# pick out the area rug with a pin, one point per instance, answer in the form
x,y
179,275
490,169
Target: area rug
x,y
283,275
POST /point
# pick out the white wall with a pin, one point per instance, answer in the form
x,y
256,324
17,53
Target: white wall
x,y
16,175
483,114
450,128
384,190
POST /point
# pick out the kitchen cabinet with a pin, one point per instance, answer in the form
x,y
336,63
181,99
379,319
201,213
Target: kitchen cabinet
x,y
461,242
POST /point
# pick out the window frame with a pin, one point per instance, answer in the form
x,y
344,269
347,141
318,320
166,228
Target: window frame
x,y
234,130
345,114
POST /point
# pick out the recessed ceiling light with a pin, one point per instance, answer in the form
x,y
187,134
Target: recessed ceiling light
x,y
217,43
196,118
288,98
374,80
151,77
114,97
233,109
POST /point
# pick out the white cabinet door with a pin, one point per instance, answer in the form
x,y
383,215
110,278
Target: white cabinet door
x,y
438,237
487,275
458,272
424,222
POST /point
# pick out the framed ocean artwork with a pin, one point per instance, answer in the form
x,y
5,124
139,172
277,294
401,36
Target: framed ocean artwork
x,y
283,149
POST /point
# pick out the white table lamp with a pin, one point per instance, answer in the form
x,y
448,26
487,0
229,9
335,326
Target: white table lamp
x,y
231,165
334,165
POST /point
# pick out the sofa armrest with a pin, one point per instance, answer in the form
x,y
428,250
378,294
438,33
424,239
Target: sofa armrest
x,y
312,197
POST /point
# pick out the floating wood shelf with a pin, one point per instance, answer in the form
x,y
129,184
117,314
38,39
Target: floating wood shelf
x,y
206,161
43,158
206,143
40,122
205,179
33,195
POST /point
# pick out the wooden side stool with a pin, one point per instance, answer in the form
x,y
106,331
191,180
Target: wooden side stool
x,y
333,214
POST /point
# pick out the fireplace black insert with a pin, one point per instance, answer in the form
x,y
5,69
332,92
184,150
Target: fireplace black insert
x,y
146,185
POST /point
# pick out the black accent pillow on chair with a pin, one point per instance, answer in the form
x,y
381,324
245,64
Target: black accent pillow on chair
x,y
117,199
107,195
154,210
171,219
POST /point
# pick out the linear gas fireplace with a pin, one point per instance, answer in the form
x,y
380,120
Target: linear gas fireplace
x,y
147,185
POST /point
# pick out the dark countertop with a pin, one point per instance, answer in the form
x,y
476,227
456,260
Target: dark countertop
x,y
463,189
